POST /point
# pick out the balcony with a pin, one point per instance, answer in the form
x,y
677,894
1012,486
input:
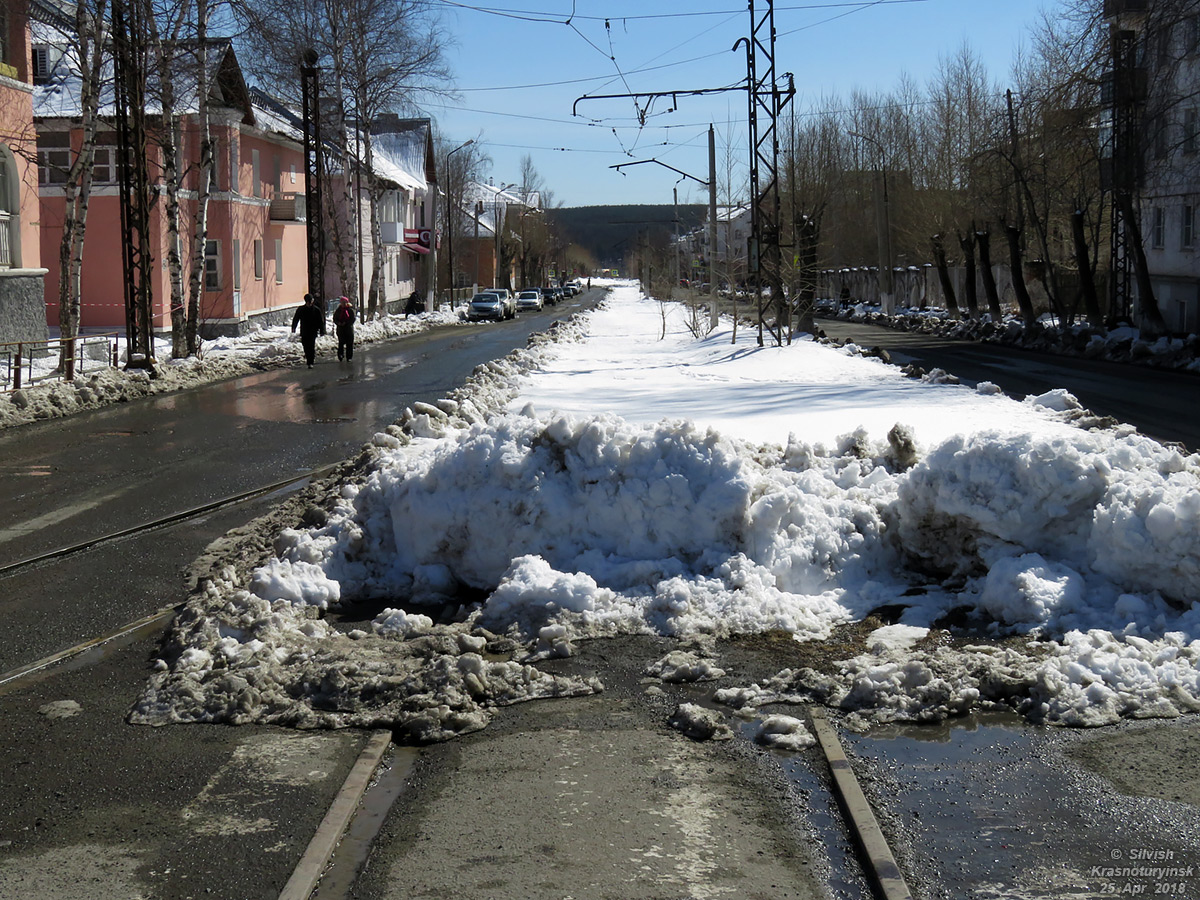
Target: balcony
x,y
1114,8
288,208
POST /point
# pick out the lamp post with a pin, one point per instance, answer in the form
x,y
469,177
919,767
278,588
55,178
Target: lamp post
x,y
883,225
449,219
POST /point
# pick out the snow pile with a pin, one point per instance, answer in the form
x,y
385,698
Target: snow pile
x,y
97,384
763,511
237,658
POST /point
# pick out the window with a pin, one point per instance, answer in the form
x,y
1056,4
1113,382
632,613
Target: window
x,y
9,211
1158,232
237,265
255,174
293,173
43,59
1189,130
212,265
54,157
258,260
278,261
1191,45
4,33
1187,228
234,175
104,169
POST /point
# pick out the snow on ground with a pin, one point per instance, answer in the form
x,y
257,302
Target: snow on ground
x,y
624,476
98,384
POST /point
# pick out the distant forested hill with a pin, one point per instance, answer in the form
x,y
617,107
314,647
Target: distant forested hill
x,y
609,232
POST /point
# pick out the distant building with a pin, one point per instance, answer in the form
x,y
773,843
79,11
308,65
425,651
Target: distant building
x,y
1166,73
22,309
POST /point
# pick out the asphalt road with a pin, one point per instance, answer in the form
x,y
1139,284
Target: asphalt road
x,y
93,807
585,798
1159,403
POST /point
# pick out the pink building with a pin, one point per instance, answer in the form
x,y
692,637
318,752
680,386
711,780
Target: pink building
x,y
22,315
256,268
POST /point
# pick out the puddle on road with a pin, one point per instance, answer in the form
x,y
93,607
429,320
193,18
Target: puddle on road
x,y
990,808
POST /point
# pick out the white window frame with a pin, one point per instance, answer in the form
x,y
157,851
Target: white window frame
x,y
10,211
235,177
1158,228
1187,227
237,264
212,265
54,161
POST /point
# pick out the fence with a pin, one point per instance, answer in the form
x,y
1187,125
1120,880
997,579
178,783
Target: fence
x,y
25,363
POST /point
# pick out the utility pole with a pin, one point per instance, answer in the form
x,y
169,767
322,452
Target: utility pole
x,y
137,256
314,172
712,227
764,257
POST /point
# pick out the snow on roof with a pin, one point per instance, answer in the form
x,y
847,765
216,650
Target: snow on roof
x,y
400,156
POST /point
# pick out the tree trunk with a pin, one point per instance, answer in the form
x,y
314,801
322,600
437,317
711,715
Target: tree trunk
x,y
1017,268
203,186
171,179
984,240
967,242
1087,284
939,259
90,37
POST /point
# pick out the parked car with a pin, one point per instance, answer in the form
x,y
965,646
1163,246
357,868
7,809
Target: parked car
x,y
488,306
551,295
510,302
531,299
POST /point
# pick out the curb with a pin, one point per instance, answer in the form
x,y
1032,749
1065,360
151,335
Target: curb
x,y
329,833
880,863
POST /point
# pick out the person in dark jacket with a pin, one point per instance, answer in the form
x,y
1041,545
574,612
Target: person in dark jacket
x,y
343,324
311,320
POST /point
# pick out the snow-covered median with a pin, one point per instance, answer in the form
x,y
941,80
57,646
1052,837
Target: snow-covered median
x,y
608,481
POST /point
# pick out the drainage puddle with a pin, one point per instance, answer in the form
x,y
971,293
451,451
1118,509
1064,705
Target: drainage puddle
x,y
988,807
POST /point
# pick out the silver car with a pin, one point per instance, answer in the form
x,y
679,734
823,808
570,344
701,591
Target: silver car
x,y
529,300
488,306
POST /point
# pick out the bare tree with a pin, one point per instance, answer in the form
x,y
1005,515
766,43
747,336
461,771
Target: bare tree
x,y
84,60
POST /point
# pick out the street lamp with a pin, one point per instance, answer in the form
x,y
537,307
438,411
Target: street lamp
x,y
449,219
883,226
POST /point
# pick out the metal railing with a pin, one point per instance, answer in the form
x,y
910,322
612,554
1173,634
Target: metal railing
x,y
25,363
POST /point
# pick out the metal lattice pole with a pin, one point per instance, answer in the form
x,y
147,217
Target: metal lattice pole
x,y
1125,155
137,259
766,103
313,171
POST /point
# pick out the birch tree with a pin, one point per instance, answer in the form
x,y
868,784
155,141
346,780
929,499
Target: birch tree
x,y
86,57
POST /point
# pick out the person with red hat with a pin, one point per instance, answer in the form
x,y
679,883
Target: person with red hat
x,y
343,321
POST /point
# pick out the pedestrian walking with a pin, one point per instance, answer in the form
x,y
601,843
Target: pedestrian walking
x,y
311,319
343,324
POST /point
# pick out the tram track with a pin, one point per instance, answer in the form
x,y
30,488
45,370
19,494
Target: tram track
x,y
13,679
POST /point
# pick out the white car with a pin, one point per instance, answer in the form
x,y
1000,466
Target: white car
x,y
530,300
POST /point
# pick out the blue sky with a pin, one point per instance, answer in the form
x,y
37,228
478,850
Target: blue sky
x,y
522,67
